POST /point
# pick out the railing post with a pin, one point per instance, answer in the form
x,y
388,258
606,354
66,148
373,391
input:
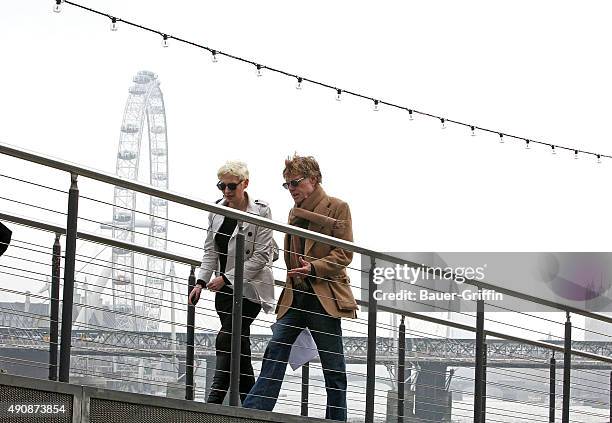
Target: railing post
x,y
305,383
478,368
54,307
484,383
567,368
552,389
234,399
190,339
68,291
371,354
401,367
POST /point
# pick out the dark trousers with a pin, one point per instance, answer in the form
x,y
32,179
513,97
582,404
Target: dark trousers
x,y
284,332
223,345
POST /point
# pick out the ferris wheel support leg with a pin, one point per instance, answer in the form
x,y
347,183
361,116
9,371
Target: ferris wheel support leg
x,y
68,292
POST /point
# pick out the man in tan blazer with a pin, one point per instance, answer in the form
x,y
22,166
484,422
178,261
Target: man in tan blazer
x,y
317,292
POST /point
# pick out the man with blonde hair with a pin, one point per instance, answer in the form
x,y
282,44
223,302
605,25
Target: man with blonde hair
x,y
317,293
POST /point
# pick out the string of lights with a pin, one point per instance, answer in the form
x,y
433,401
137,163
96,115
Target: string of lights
x,y
339,92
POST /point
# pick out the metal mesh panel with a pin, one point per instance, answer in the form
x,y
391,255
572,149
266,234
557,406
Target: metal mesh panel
x,y
106,411
33,406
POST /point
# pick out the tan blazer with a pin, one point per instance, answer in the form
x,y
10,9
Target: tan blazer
x,y
329,263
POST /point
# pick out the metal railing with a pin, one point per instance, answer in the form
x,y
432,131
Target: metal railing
x,y
72,234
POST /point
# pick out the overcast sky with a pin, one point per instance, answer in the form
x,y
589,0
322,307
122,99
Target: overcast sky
x,y
533,69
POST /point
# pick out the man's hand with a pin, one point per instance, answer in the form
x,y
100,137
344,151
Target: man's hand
x,y
194,295
301,272
216,284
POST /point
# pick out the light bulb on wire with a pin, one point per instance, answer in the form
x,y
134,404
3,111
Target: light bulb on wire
x,y
57,7
338,95
554,152
299,84
527,145
410,117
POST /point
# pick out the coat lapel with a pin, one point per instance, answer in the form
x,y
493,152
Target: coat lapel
x,y
218,218
216,223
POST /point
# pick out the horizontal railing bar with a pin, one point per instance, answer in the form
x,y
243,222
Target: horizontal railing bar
x,y
426,318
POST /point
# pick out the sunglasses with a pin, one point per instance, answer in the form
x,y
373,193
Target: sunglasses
x,y
232,185
294,183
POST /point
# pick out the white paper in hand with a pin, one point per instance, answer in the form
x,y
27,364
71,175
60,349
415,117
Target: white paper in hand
x,y
303,350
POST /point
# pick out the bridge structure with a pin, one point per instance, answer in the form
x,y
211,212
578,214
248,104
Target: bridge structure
x,y
452,352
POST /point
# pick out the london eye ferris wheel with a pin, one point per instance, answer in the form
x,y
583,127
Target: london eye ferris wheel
x,y
130,276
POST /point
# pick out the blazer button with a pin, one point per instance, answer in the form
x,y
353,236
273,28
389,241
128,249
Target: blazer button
x,y
250,234
248,251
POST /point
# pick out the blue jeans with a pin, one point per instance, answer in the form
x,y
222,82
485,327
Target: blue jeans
x,y
284,332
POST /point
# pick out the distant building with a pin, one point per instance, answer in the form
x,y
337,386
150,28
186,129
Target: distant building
x,y
24,315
